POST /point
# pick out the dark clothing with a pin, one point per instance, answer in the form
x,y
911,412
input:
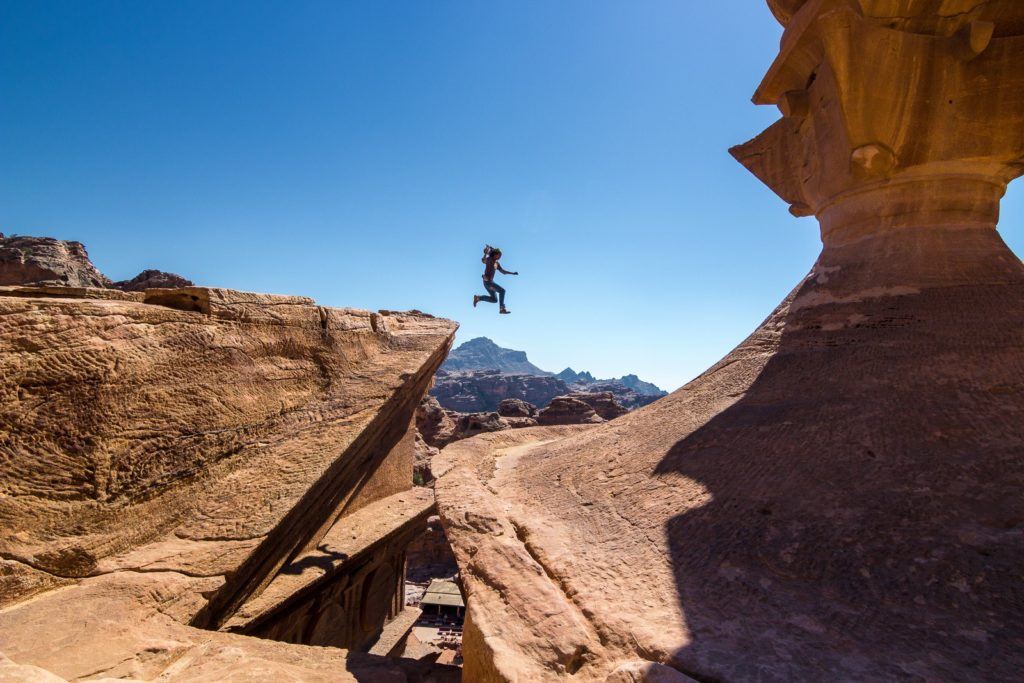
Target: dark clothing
x,y
493,289
489,268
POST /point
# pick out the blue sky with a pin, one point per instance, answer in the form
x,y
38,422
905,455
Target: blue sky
x,y
363,152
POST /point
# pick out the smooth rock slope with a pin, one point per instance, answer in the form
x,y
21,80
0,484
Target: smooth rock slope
x,y
839,497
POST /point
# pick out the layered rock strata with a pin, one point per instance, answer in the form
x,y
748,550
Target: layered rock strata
x,y
839,497
203,451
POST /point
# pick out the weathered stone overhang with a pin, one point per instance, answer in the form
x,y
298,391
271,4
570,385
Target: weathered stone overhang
x,y
168,453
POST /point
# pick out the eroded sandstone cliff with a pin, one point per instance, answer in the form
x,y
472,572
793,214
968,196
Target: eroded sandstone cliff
x,y
171,454
839,497
45,260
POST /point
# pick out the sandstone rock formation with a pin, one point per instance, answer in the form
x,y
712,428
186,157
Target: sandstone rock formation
x,y
44,260
152,279
437,427
514,407
434,423
179,461
568,410
603,403
838,498
423,456
474,423
623,395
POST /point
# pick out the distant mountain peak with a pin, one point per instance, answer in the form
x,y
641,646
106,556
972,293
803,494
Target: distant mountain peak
x,y
567,375
570,375
479,342
480,353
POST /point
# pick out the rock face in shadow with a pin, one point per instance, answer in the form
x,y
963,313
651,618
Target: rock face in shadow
x,y
44,260
568,410
197,444
514,407
437,425
603,403
841,493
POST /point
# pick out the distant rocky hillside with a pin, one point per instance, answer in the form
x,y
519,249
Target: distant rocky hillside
x,y
483,354
479,374
583,380
484,390
26,260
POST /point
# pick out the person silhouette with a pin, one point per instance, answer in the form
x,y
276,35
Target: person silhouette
x,y
495,292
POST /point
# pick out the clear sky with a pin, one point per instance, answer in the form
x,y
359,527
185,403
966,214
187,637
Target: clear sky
x,y
362,153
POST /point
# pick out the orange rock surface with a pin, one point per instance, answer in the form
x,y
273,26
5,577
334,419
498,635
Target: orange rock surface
x,y
166,453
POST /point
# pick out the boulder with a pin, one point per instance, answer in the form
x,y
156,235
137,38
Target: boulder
x,y
474,423
514,407
603,403
568,410
436,425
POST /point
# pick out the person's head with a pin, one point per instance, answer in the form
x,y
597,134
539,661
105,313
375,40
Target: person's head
x,y
496,254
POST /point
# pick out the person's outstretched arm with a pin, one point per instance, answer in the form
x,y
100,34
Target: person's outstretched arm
x,y
507,272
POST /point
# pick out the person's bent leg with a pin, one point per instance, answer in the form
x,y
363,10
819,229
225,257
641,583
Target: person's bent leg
x,y
490,298
501,294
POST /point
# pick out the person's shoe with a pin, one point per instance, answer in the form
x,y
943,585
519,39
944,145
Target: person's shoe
x,y
476,300
504,310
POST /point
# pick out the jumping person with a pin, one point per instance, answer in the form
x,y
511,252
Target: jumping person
x,y
495,292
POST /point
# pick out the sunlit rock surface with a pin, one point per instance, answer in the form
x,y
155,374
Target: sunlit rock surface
x,y
168,453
